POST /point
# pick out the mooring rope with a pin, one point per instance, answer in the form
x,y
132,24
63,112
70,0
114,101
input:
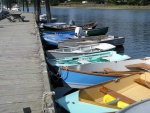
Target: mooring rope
x,y
47,108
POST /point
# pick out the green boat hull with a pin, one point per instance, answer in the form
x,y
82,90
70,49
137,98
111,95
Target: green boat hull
x,y
96,32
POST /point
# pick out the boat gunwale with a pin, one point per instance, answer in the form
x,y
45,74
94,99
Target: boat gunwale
x,y
115,73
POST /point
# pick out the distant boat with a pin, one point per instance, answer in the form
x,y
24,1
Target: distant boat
x,y
69,27
15,8
80,76
100,57
111,96
43,18
80,50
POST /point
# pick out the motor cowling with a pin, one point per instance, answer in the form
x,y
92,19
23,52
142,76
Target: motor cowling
x,y
79,32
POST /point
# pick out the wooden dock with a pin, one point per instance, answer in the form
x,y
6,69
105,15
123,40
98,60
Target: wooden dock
x,y
23,74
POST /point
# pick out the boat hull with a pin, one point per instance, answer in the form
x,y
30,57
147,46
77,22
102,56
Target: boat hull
x,y
72,104
81,80
100,57
65,27
80,50
138,107
92,40
116,66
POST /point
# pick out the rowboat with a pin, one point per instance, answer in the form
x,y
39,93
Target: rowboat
x,y
80,50
138,107
80,76
66,40
47,32
114,40
53,39
59,36
69,27
88,32
110,96
106,56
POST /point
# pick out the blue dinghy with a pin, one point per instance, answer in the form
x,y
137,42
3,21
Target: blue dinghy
x,y
53,39
80,76
45,32
72,104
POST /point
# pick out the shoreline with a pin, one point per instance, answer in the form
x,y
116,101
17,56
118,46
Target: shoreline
x,y
98,6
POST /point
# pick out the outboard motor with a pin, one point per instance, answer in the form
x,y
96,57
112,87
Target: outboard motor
x,y
79,32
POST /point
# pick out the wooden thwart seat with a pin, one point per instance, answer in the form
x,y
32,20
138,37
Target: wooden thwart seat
x,y
140,65
116,95
142,82
108,70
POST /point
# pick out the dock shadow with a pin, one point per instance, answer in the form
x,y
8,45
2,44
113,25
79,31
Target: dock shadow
x,y
27,110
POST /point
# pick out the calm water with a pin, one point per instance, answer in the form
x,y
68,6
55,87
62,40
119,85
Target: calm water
x,y
134,25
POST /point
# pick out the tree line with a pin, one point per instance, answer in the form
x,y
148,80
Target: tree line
x,y
115,2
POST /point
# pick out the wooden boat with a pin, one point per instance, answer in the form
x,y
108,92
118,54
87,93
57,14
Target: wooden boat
x,y
114,40
138,107
107,56
80,76
110,96
66,40
69,27
88,32
80,50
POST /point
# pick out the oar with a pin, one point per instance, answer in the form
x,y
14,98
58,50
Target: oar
x,y
120,73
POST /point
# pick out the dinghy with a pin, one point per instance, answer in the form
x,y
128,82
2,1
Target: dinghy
x,y
107,56
69,27
110,96
114,40
84,75
80,50
66,40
